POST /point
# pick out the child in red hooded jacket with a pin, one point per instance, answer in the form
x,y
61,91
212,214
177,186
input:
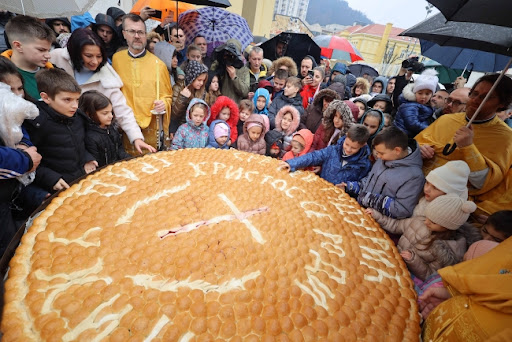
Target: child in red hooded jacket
x,y
226,109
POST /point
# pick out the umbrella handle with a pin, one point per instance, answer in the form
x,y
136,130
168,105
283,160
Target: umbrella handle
x,y
449,148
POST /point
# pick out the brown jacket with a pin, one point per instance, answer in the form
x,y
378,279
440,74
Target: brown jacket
x,y
415,238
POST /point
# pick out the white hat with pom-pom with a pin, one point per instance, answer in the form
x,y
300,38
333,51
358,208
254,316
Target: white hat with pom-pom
x,y
449,211
427,80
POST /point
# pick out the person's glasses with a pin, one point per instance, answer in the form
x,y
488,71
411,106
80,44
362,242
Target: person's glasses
x,y
481,97
454,102
495,238
134,33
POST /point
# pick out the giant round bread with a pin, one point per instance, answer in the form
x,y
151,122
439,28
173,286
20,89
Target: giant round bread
x,y
206,245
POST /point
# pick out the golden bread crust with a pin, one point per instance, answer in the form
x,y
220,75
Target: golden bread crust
x,y
206,244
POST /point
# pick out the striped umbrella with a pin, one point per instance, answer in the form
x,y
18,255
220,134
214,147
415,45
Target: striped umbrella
x,y
335,47
216,25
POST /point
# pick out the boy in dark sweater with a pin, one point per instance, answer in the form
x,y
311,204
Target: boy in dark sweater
x,y
59,132
290,96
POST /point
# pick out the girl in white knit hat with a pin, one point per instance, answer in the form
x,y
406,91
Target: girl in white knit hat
x,y
451,178
429,244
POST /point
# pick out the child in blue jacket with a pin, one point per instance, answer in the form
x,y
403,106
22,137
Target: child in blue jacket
x,y
261,101
194,133
346,161
219,135
414,113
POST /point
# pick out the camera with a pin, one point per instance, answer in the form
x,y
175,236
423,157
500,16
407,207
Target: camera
x,y
232,60
413,64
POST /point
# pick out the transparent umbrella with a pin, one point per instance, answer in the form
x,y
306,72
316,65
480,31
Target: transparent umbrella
x,y
47,9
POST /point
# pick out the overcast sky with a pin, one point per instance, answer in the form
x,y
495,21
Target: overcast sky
x,y
402,13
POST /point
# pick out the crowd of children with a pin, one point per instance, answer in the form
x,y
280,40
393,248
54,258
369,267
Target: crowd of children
x,y
354,144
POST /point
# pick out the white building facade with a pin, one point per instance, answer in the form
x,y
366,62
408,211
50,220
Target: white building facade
x,y
292,8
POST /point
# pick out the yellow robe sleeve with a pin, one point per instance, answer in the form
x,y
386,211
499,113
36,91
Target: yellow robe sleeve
x,y
481,303
487,280
492,148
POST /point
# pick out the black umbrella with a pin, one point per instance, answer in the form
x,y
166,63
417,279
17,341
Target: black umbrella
x,y
295,45
476,36
494,12
359,69
212,3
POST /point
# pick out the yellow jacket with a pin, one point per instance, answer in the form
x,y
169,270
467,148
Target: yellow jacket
x,y
481,303
139,77
491,148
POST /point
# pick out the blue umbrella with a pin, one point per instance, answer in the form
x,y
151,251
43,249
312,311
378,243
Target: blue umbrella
x,y
459,58
216,25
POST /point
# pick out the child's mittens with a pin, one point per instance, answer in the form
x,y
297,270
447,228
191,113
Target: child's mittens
x,y
378,202
352,187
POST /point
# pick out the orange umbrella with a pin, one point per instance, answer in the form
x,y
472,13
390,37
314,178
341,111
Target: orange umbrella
x,y
166,6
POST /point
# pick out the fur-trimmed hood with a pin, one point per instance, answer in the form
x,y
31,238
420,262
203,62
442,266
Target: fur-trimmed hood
x,y
408,94
295,119
318,101
346,115
221,102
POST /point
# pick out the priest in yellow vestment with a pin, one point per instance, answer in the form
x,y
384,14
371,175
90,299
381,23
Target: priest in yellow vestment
x,y
146,81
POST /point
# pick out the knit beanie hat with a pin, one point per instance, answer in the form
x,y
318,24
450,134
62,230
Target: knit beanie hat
x,y
193,70
451,178
449,211
220,130
427,80
479,248
253,124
